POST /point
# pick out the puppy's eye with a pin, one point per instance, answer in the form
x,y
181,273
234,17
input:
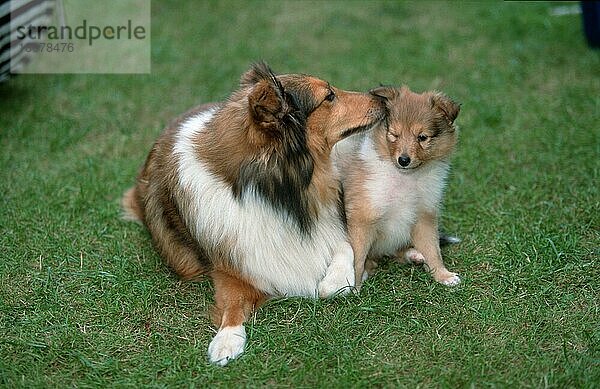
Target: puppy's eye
x,y
422,137
392,137
330,97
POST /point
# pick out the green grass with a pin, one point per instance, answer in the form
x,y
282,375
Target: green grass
x,y
85,301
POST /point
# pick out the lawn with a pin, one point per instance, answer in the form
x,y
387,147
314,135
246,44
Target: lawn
x,y
85,300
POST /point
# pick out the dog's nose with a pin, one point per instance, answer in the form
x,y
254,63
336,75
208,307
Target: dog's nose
x,y
404,160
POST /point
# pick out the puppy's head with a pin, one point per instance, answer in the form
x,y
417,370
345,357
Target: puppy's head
x,y
284,106
419,127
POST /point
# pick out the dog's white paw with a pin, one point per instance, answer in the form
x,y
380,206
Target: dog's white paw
x,y
413,256
336,282
339,278
227,344
452,279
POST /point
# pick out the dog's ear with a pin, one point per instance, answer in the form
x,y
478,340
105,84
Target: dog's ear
x,y
267,103
446,105
385,91
258,71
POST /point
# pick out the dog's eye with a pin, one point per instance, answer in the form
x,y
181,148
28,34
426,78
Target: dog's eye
x,y
422,137
392,137
330,96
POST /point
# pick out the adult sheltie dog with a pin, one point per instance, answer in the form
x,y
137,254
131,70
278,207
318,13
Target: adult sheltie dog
x,y
394,178
246,192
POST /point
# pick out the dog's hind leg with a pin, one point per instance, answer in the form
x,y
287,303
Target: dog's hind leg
x,y
410,255
172,239
235,299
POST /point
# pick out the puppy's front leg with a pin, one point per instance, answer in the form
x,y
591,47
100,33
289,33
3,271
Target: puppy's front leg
x,y
361,240
426,241
339,277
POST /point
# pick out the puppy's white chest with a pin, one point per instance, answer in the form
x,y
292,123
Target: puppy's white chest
x,y
397,189
396,199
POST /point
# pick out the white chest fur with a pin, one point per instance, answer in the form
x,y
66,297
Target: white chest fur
x,y
266,246
398,196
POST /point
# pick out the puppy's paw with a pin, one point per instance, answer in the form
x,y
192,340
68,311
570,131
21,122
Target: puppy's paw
x,y
413,256
449,279
227,344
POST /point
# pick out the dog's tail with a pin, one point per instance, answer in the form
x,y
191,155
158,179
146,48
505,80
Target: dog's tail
x,y
446,239
130,206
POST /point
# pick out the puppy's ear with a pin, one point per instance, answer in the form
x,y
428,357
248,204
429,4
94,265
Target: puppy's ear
x,y
387,92
267,102
446,105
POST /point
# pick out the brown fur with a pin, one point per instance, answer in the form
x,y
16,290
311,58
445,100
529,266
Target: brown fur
x,y
130,206
235,299
249,129
429,115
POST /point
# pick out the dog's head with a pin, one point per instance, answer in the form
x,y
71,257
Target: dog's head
x,y
302,106
419,127
290,123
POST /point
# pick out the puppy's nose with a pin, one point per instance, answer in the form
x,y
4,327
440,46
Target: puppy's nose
x,y
404,160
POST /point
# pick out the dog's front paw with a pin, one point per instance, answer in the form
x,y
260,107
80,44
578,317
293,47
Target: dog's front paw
x,y
339,278
227,344
448,279
336,283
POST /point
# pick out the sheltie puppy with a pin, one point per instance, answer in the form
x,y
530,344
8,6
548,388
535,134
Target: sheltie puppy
x,y
393,179
246,192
